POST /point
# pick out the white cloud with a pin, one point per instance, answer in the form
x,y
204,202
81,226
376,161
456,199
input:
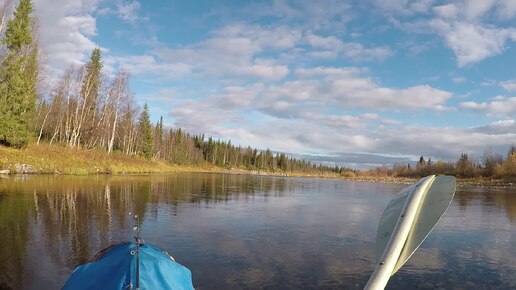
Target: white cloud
x,y
264,69
207,114
333,47
406,7
499,106
500,127
279,37
123,9
236,97
465,27
236,50
347,88
448,11
147,64
128,11
489,83
329,15
477,11
506,9
339,121
472,42
509,85
458,80
65,31
473,30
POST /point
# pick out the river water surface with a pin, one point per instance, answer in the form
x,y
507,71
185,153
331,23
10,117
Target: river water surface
x,y
248,232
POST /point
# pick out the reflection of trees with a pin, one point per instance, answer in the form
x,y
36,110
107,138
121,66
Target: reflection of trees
x,y
14,235
506,201
74,217
501,199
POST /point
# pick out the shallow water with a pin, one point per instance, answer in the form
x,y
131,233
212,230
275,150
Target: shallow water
x,y
248,232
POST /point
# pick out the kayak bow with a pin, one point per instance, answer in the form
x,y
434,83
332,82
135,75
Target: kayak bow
x,y
116,269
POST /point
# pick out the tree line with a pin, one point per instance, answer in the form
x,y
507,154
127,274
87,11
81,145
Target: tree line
x,y
490,165
88,109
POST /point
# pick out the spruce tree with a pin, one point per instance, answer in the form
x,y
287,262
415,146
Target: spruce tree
x,y
90,91
159,129
145,133
18,74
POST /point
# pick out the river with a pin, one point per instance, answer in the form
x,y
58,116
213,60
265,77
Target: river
x,y
248,232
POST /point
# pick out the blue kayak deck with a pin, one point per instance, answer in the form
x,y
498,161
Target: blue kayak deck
x,y
116,269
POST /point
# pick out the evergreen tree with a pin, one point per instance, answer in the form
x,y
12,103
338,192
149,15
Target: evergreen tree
x,y
145,133
91,85
90,91
18,74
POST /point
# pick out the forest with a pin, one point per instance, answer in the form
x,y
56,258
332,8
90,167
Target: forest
x,y
491,165
88,109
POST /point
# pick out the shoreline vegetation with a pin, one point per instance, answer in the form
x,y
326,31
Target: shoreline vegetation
x,y
88,122
61,160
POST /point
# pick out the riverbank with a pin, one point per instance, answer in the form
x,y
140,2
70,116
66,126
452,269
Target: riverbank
x,y
481,182
56,159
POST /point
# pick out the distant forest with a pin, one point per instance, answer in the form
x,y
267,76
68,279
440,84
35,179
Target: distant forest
x,y
491,165
88,109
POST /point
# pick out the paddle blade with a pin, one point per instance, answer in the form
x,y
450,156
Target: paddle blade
x,y
432,208
389,219
435,202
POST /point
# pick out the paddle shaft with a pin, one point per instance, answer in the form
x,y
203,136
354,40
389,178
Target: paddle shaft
x,y
385,267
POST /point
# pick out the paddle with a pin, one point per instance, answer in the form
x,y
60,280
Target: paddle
x,y
407,220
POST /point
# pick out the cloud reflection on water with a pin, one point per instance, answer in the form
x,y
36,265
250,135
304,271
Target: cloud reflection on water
x,y
236,231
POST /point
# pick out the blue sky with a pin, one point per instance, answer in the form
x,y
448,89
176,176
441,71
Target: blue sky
x,y
358,82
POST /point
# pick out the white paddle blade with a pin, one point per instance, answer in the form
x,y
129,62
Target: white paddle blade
x,y
394,229
389,219
432,208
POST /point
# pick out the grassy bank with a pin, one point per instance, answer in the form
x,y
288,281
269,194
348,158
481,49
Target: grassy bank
x,y
477,182
56,159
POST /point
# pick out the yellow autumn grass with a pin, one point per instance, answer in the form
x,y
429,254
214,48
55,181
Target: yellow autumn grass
x,y
52,159
59,159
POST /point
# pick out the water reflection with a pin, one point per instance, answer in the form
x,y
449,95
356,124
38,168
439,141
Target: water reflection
x,y
71,218
237,231
490,199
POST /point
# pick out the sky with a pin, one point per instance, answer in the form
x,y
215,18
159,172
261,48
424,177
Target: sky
x,y
357,83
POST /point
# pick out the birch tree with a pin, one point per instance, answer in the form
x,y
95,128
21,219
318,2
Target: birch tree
x,y
119,90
